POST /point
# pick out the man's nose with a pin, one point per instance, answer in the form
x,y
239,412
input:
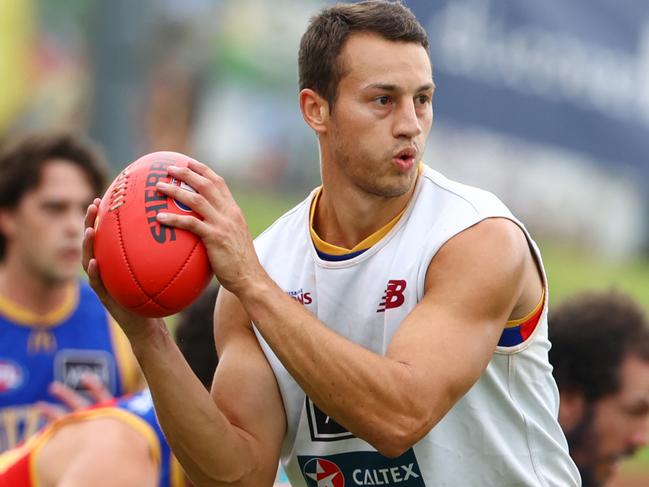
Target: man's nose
x,y
639,438
407,123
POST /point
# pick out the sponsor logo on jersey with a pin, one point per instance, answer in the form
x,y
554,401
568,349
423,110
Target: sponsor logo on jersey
x,y
12,376
393,296
185,186
71,365
41,341
361,468
301,296
323,427
323,473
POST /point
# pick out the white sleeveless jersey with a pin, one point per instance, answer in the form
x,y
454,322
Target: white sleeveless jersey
x,y
503,432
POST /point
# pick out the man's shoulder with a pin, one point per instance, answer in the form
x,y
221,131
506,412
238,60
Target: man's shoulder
x,y
458,190
450,195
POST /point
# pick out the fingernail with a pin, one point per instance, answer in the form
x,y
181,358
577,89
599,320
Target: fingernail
x,y
162,216
172,168
162,185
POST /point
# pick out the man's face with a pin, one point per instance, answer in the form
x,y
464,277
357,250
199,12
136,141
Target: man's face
x,y
382,113
618,426
44,232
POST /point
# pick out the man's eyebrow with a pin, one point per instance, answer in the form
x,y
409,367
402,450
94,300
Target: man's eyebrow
x,y
392,87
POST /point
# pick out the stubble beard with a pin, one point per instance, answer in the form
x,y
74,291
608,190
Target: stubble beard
x,y
372,183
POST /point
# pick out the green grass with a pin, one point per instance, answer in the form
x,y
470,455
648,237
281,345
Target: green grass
x,y
263,208
571,270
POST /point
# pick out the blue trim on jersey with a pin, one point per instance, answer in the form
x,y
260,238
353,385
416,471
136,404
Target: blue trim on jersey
x,y
511,337
338,258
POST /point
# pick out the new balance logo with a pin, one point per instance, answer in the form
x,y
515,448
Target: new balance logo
x,y
393,297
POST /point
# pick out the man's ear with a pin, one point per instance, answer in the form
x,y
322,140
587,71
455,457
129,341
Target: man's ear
x,y
571,408
7,222
315,110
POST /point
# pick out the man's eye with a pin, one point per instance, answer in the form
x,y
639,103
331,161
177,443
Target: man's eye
x,y
423,99
383,100
54,208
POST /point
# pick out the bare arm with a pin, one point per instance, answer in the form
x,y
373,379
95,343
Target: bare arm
x,y
212,449
473,286
101,453
236,433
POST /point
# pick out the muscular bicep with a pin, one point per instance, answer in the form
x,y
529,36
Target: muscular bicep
x,y
244,385
472,285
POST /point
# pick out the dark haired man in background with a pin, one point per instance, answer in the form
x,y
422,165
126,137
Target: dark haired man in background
x,y
52,326
118,443
600,354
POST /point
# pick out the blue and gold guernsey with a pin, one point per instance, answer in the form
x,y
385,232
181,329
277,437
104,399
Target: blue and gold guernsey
x,y
76,338
18,466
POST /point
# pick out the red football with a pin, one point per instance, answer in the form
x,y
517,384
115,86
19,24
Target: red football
x,y
149,268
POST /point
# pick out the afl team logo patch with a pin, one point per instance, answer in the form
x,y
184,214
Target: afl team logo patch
x,y
319,472
70,365
182,185
322,427
11,376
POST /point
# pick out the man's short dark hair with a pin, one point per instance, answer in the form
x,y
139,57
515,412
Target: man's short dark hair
x,y
591,335
320,67
195,335
22,160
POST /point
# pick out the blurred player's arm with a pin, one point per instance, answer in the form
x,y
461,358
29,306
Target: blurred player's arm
x,y
100,453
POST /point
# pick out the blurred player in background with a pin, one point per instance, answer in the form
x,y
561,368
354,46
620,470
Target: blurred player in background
x,y
400,319
119,443
52,326
600,354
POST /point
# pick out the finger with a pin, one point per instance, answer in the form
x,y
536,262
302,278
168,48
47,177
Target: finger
x,y
96,388
96,283
185,222
202,179
193,178
87,250
200,168
205,171
67,396
196,201
51,412
91,213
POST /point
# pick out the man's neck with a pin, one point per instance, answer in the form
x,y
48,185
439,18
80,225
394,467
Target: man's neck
x,y
346,216
30,292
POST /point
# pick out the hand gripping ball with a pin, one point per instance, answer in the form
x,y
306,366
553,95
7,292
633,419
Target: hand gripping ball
x,y
151,269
